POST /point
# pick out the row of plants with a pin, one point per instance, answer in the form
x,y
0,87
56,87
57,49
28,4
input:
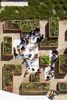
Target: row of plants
x,y
28,25
62,87
44,61
34,77
23,25
8,71
35,87
7,46
39,9
53,27
63,64
48,43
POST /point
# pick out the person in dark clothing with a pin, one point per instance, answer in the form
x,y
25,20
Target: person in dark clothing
x,y
22,48
54,51
52,94
38,40
41,37
15,54
32,33
22,41
26,40
26,58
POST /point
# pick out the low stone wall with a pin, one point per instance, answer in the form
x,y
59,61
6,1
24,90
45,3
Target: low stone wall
x,y
9,3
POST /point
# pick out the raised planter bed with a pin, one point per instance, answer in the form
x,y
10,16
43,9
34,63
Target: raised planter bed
x,y
34,88
62,87
48,43
7,46
53,27
28,25
44,61
34,77
63,64
8,71
11,26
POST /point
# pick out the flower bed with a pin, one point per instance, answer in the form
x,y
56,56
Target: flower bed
x,y
62,87
7,46
53,27
35,88
44,61
28,25
48,43
7,75
34,77
63,64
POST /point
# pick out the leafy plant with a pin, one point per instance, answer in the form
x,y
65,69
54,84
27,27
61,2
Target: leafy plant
x,y
48,43
53,23
62,87
7,45
35,77
38,87
44,60
63,64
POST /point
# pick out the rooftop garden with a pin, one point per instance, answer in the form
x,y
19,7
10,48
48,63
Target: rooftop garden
x,y
63,64
53,27
39,9
62,87
7,76
48,43
7,46
34,88
44,61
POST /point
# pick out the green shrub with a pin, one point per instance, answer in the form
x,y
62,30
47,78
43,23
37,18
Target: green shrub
x,y
7,45
44,60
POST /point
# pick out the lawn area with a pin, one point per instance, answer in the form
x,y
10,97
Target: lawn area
x,y
37,9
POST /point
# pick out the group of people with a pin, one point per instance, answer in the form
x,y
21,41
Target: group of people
x,y
54,57
35,36
25,41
